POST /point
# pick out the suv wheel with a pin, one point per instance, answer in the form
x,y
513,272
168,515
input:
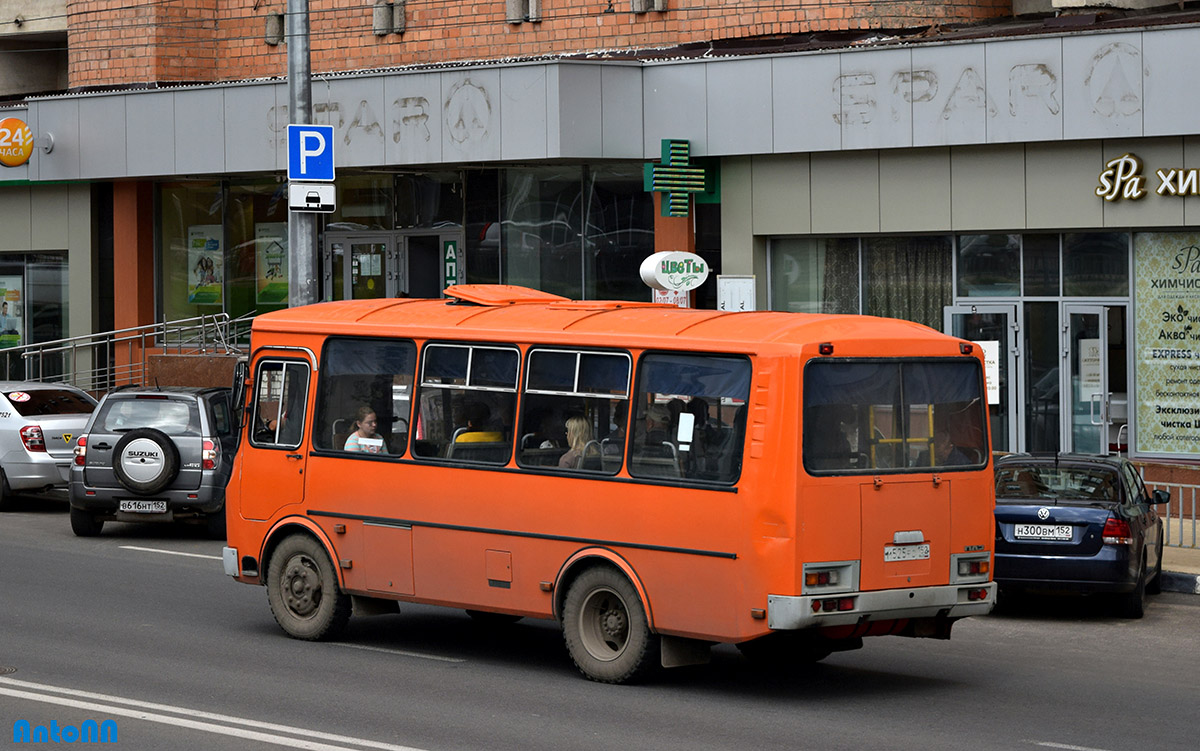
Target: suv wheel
x,y
84,524
146,460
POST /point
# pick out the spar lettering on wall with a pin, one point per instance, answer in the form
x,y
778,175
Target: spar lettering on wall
x,y
1123,178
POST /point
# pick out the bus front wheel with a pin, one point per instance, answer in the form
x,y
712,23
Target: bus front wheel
x,y
303,591
606,629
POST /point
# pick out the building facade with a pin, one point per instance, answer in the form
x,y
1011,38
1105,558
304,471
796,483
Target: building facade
x,y
1030,185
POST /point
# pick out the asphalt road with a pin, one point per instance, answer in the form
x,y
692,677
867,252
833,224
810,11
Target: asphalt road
x,y
141,627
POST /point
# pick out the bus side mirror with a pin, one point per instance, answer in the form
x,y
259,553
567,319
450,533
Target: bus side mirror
x,y
240,369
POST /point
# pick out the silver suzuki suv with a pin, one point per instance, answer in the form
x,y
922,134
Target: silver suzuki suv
x,y
154,454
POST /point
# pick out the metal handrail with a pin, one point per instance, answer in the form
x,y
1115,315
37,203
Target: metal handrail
x,y
102,361
1180,518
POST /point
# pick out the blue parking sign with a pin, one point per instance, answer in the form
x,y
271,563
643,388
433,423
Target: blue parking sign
x,y
310,152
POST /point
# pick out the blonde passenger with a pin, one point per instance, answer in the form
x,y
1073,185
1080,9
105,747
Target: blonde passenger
x,y
579,432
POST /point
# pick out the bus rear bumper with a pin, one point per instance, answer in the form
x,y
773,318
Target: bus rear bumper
x,y
786,612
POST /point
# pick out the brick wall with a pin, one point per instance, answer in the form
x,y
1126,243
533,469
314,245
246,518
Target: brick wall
x,y
114,42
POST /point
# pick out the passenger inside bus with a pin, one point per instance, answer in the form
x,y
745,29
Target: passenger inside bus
x,y
477,430
364,438
945,452
579,436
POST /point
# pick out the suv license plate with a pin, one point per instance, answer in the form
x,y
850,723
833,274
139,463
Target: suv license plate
x,y
1042,531
144,507
906,552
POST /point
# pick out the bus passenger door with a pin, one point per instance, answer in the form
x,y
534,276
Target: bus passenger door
x,y
994,328
273,469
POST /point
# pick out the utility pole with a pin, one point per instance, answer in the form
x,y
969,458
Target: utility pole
x,y
302,226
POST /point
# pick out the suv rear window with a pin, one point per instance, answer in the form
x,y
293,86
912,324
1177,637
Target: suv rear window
x,y
171,416
49,402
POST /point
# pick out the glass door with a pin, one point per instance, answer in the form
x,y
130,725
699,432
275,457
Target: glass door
x,y
1086,411
994,329
360,266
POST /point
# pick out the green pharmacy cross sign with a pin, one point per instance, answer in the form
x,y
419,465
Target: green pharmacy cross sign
x,y
675,177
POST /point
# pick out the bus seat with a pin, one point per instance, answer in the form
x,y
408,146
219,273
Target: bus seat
x,y
490,452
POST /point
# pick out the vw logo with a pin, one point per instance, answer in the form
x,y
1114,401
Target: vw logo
x,y
1043,513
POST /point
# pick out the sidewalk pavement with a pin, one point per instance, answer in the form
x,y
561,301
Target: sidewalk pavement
x,y
1181,569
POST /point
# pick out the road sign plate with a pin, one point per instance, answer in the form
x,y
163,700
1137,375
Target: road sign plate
x,y
310,152
315,197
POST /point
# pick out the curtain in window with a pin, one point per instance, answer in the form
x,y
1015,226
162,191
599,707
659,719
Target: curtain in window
x,y
908,278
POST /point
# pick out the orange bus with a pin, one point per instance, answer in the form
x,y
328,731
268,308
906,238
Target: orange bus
x,y
655,479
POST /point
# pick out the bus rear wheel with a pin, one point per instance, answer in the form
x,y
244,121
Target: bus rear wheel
x,y
606,630
303,591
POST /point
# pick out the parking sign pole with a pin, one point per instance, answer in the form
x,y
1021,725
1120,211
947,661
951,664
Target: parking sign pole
x,y
302,227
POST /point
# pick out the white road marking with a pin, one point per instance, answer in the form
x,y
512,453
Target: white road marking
x,y
1064,746
171,552
400,652
139,710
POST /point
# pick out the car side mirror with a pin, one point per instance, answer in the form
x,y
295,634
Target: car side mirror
x,y
1161,497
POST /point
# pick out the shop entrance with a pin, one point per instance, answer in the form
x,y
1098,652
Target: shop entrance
x,y
1094,384
370,265
994,328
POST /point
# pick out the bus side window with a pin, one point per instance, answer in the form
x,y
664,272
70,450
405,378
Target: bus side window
x,y
280,403
361,375
466,406
563,387
690,418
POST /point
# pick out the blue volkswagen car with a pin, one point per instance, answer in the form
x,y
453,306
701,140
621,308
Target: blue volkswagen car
x,y
1078,524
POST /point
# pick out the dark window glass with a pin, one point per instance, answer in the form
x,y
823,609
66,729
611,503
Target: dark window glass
x,y
869,416
989,265
690,421
1096,264
364,392
1040,255
280,404
575,411
49,402
467,404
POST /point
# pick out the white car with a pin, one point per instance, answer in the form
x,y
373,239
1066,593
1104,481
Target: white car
x,y
39,423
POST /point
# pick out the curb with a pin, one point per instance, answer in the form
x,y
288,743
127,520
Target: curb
x,y
1175,582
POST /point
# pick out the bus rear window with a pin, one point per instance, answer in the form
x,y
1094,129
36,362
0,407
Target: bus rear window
x,y
893,416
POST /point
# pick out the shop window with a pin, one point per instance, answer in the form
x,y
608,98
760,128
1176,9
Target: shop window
x,y
430,199
1040,262
814,275
363,379
364,202
1096,264
256,266
467,403
575,410
542,229
907,278
690,421
989,265
192,243
618,233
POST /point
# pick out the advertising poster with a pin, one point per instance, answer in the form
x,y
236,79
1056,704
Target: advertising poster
x,y
12,324
271,250
206,264
1167,274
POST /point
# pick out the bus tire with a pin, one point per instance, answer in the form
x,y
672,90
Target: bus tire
x,y
605,628
303,591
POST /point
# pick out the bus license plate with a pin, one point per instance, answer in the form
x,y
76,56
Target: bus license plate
x,y
144,507
906,552
1042,531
